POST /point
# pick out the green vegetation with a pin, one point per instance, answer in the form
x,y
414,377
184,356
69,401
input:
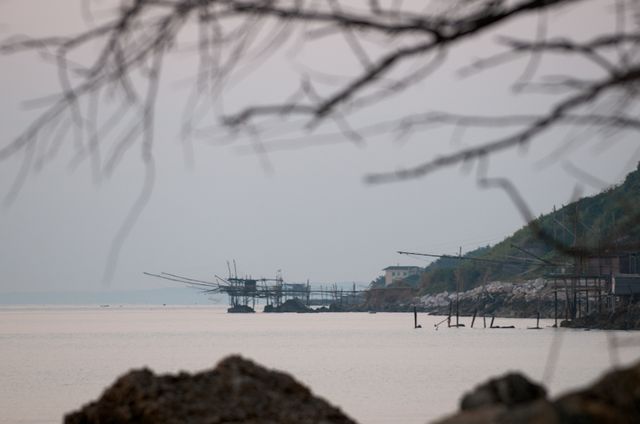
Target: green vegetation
x,y
378,283
603,223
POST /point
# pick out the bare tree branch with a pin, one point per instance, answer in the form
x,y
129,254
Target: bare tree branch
x,y
524,136
235,36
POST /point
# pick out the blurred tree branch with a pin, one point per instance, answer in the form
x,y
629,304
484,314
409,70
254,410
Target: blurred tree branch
x,y
232,35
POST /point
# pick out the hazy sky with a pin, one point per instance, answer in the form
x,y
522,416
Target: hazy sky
x,y
308,212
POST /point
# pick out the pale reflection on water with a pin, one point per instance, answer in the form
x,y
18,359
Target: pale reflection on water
x,y
375,366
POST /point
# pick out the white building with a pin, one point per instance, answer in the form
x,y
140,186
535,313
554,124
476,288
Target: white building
x,y
397,273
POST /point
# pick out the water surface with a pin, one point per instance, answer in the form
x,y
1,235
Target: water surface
x,y
376,367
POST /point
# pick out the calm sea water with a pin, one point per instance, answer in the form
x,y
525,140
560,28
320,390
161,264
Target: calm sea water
x,y
376,367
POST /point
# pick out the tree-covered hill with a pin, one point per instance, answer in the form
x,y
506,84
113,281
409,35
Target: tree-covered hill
x,y
600,224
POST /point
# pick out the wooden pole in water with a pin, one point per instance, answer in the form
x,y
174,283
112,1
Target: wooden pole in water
x,y
474,317
567,302
458,287
587,289
555,306
484,320
574,309
449,317
415,317
578,302
492,318
599,296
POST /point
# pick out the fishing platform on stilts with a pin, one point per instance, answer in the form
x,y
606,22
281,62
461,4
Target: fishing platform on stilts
x,y
245,293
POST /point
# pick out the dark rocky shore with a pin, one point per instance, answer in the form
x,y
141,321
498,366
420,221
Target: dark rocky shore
x,y
626,317
240,391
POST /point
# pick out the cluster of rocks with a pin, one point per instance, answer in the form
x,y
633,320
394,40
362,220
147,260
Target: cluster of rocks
x,y
498,298
240,309
240,391
615,398
291,305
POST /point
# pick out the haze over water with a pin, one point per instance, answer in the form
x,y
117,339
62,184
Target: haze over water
x,y
376,367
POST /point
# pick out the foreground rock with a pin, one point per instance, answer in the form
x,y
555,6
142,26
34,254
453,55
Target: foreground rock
x,y
236,391
511,390
615,398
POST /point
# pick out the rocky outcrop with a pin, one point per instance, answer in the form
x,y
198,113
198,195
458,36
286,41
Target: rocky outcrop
x,y
615,398
236,391
291,305
240,309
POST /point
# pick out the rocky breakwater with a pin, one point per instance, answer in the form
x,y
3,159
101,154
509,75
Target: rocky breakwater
x,y
236,391
505,299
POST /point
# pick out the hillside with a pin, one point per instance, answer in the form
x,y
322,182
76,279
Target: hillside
x,y
600,224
